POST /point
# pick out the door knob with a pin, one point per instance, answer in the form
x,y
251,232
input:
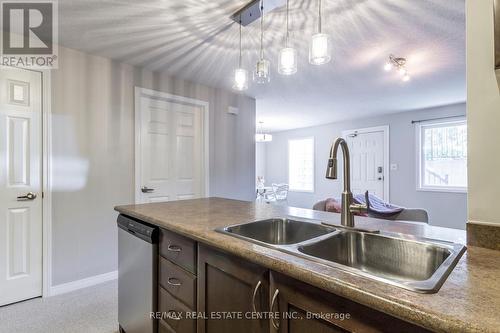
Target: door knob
x,y
145,189
28,196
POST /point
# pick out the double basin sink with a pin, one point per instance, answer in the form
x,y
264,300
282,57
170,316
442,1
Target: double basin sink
x,y
417,264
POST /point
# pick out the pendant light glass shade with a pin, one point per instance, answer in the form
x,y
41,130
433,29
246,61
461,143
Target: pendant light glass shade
x,y
240,79
240,74
262,73
319,49
287,61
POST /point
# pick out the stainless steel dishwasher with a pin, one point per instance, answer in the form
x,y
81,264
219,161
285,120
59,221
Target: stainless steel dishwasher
x,y
137,275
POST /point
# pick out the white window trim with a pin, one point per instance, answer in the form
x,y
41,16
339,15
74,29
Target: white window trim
x,y
290,189
418,160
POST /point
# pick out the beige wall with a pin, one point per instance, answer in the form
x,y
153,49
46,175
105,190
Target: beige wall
x,y
93,154
483,110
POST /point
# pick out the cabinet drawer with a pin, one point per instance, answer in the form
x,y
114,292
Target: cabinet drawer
x,y
178,249
168,304
178,282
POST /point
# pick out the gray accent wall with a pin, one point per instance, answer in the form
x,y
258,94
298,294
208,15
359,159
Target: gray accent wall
x,y
93,154
445,209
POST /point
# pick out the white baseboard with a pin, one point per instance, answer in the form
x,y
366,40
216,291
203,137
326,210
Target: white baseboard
x,y
83,283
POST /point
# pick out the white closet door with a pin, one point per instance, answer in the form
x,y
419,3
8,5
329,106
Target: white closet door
x,y
171,158
20,185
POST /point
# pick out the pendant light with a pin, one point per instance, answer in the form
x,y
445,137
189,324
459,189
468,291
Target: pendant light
x,y
240,74
262,72
260,136
319,48
287,62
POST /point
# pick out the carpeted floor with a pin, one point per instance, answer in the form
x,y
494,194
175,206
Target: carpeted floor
x,y
89,310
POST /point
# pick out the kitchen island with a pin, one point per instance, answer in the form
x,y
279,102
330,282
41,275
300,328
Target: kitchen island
x,y
468,301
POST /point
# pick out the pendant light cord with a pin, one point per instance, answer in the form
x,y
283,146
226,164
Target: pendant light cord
x,y
261,29
239,61
287,31
319,17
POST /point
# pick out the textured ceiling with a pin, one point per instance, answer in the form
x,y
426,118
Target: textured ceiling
x,y
196,40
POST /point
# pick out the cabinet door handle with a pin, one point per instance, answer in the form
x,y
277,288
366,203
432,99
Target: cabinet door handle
x,y
276,325
174,282
256,289
174,248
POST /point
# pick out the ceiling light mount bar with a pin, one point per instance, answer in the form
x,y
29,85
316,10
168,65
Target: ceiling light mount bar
x,y
251,11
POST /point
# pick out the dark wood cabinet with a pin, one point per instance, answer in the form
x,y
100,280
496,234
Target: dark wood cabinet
x,y
175,314
302,308
178,249
230,286
177,283
216,292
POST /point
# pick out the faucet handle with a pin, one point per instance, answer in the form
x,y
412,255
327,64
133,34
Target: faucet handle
x,y
358,208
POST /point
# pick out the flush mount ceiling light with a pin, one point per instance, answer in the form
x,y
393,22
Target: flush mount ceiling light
x,y
260,136
319,47
399,64
287,62
262,73
240,74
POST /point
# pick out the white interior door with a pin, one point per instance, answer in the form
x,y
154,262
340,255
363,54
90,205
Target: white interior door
x,y
20,185
171,153
368,162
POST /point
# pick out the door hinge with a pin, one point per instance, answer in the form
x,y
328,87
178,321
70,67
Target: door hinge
x,y
43,194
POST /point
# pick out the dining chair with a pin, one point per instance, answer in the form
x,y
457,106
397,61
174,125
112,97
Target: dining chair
x,y
279,194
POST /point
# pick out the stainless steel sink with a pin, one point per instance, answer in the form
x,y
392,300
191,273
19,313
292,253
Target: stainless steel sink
x,y
412,264
278,231
409,262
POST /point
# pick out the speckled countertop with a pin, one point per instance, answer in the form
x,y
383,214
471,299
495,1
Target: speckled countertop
x,y
469,300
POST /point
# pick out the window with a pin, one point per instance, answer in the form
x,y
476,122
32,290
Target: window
x,y
301,165
442,149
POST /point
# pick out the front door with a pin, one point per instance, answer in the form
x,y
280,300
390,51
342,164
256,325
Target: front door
x,y
170,154
367,162
20,185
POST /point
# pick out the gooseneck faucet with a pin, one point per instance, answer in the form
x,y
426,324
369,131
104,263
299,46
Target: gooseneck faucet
x,y
348,207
